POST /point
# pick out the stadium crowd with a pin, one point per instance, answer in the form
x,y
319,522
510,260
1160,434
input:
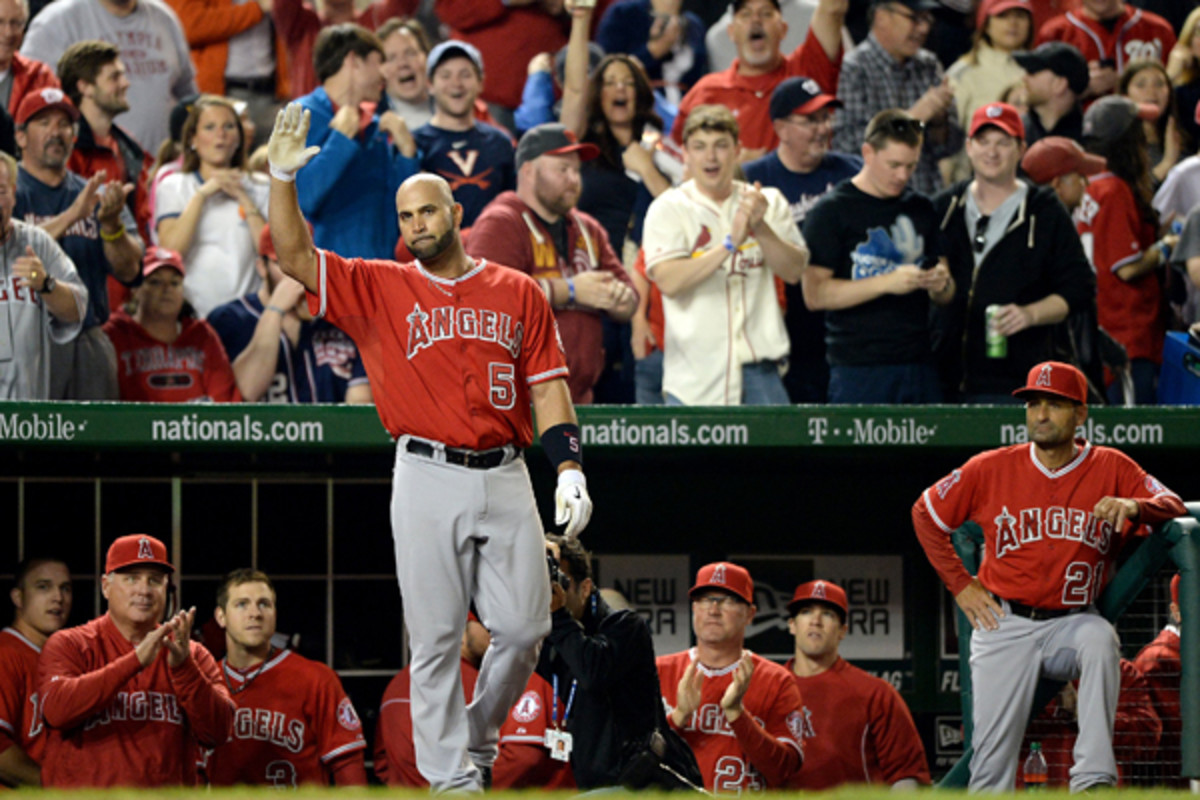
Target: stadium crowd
x,y
778,201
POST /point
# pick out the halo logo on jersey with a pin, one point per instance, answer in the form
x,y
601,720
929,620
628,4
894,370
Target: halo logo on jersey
x,y
347,716
528,708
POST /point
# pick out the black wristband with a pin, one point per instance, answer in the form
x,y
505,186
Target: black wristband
x,y
562,443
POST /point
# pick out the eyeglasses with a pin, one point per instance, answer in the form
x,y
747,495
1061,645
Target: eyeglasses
x,y
920,18
981,227
721,601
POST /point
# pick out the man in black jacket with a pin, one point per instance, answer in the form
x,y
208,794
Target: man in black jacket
x,y
602,664
1012,245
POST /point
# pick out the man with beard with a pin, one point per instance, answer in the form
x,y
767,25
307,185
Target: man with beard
x,y
1055,513
22,75
95,80
41,595
476,158
459,351
91,222
538,230
280,354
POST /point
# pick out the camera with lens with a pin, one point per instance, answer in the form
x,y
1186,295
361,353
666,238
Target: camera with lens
x,y
556,574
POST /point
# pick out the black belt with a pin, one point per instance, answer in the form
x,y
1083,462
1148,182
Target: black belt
x,y
472,459
256,85
1022,610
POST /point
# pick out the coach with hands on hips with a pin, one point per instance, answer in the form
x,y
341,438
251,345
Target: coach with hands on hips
x,y
459,350
1055,513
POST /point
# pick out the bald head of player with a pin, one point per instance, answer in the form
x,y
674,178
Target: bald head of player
x,y
429,223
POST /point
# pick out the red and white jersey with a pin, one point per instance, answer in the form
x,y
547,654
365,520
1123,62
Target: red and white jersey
x,y
524,761
485,337
857,729
192,368
1114,233
762,749
293,720
1042,545
1137,34
111,722
395,759
20,716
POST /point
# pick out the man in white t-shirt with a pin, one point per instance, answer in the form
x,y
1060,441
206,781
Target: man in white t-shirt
x,y
714,247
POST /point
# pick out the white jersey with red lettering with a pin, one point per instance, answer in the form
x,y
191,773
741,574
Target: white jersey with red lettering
x,y
20,717
293,720
1134,35
762,749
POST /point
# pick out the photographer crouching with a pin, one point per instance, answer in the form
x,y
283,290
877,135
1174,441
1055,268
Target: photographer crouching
x,y
601,663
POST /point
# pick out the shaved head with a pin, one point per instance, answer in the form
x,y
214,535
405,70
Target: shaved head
x,y
429,219
426,180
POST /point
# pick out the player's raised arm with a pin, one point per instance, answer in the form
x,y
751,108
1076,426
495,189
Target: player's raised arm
x,y
287,153
558,429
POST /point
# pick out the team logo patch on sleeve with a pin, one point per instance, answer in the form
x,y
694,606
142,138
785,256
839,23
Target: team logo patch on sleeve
x,y
347,716
528,708
795,725
1153,486
946,483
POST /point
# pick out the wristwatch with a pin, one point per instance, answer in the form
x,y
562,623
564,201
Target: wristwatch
x,y
48,285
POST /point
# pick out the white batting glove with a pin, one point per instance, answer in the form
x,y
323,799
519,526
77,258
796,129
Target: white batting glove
x,y
286,152
572,506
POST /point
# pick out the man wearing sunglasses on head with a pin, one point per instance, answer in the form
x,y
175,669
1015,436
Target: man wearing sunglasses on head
x,y
1012,247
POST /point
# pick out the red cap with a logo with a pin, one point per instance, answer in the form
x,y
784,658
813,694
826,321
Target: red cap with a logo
x,y
137,550
819,592
1057,378
35,103
1001,115
726,576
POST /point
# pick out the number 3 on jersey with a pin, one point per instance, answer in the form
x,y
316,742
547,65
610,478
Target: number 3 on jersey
x,y
1082,583
502,381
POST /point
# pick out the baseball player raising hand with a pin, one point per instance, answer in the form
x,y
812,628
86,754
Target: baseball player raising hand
x,y
1054,513
456,351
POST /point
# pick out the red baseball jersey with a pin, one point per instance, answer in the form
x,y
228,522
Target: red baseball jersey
x,y
1042,545
1136,34
485,337
749,96
193,367
1114,234
110,722
1160,666
293,721
857,729
395,760
1135,732
524,761
762,749
20,717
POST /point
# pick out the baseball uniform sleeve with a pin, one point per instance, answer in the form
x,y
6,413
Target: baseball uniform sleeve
x,y
897,744
12,700
772,747
70,692
1158,503
348,292
395,761
937,513
203,697
779,217
542,355
664,236
338,728
1111,236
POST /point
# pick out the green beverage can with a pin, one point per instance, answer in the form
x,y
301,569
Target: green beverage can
x,y
997,343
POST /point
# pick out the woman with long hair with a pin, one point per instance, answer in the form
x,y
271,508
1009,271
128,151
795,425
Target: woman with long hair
x,y
1119,229
1183,68
212,210
1145,82
981,76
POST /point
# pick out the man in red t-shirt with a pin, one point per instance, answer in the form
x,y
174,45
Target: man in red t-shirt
x,y
42,597
856,726
314,734
740,713
1110,34
127,698
1054,513
745,88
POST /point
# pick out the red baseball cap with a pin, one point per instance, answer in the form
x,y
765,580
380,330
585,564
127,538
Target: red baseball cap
x,y
137,550
1055,156
819,592
159,257
1056,378
1001,115
1175,589
992,8
726,576
35,103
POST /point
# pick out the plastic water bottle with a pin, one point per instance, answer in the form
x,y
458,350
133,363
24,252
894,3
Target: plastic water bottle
x,y
1035,769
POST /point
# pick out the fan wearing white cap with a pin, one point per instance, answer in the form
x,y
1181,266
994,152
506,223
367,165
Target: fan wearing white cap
x,y
127,697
